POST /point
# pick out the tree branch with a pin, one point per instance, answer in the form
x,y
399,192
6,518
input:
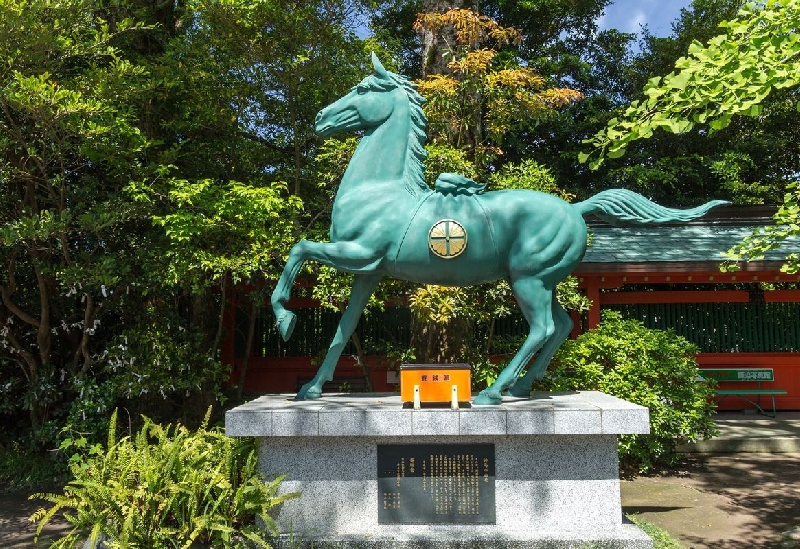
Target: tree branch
x,y
43,336
7,292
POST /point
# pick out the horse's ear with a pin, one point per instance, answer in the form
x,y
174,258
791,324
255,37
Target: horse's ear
x,y
379,70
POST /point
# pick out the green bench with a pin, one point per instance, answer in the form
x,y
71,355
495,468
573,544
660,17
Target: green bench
x,y
750,375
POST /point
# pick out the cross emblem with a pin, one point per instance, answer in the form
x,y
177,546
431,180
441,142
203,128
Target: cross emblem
x,y
447,239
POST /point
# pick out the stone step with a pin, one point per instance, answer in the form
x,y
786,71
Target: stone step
x,y
751,433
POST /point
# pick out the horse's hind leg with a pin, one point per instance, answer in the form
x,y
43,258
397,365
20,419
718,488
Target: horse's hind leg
x,y
563,326
363,286
535,300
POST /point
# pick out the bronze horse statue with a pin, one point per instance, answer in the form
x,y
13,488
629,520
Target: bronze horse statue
x,y
386,221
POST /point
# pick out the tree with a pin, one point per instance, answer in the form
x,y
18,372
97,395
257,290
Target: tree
x,y
482,98
244,190
286,61
553,32
145,165
69,145
558,37
438,40
733,75
610,69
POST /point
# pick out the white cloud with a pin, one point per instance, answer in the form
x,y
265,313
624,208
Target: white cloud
x,y
635,21
630,15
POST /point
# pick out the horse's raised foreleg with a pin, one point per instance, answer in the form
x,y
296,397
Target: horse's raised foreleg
x,y
536,303
284,318
363,286
347,256
563,326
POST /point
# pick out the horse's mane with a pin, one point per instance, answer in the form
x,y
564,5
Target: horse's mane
x,y
414,173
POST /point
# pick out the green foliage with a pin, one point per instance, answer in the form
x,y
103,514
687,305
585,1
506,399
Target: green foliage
x,y
661,539
730,169
529,175
164,487
730,76
330,162
764,239
276,65
23,468
476,101
160,358
70,141
611,68
444,158
570,297
232,229
653,368
126,133
439,304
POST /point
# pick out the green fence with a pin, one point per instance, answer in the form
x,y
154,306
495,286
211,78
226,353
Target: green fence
x,y
315,329
725,327
713,327
316,326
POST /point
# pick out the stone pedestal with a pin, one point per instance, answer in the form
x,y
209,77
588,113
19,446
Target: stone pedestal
x,y
556,474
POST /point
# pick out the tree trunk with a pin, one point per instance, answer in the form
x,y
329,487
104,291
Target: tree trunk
x,y
435,46
446,343
362,363
207,318
248,349
223,287
43,334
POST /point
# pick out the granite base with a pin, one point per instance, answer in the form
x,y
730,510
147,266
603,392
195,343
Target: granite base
x,y
556,468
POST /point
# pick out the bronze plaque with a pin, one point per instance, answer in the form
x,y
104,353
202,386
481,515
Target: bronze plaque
x,y
436,484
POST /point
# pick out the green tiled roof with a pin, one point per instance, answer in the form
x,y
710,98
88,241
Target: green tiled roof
x,y
695,242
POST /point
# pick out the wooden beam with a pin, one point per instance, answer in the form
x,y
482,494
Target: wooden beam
x,y
627,298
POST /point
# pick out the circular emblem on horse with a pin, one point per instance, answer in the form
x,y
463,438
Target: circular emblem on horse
x,y
447,239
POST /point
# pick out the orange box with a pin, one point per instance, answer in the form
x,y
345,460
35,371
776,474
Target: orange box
x,y
435,382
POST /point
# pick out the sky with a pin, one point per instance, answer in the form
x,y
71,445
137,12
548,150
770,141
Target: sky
x,y
629,15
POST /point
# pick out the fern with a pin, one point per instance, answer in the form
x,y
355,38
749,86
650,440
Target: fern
x,y
166,487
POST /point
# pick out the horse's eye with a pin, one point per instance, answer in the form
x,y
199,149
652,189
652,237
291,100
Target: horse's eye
x,y
361,90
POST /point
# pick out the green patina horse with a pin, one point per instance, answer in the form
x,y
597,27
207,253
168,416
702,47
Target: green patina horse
x,y
387,221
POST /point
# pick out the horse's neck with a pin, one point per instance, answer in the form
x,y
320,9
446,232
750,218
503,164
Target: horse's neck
x,y
379,157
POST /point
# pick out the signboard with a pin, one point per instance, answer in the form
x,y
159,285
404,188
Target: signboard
x,y
738,374
435,382
436,484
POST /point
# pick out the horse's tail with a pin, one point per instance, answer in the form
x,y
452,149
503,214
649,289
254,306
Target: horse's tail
x,y
621,205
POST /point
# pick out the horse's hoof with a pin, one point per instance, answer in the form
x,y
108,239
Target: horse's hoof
x,y
308,392
518,391
487,398
286,323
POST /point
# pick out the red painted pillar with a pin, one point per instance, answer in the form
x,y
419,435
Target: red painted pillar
x,y
593,293
577,328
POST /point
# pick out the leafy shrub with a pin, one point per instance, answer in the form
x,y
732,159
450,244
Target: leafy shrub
x,y
23,468
529,175
165,487
161,367
653,368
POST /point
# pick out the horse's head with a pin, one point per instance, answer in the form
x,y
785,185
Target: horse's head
x,y
368,105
